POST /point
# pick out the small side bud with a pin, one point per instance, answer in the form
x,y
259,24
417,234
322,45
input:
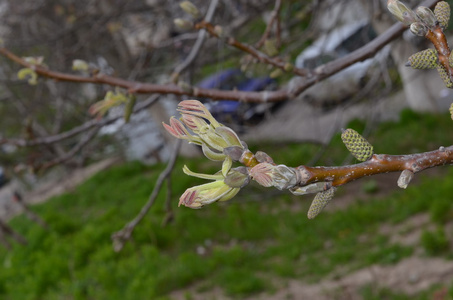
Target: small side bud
x,y
190,8
321,200
263,157
442,13
80,65
405,178
289,67
359,147
185,86
234,152
418,28
276,73
426,15
311,188
183,24
426,59
219,31
270,48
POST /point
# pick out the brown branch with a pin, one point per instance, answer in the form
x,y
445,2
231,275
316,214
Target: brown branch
x,y
260,56
310,77
438,39
120,238
379,163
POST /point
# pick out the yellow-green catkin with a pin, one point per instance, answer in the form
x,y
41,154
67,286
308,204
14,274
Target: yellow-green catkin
x,y
451,111
442,13
445,76
450,59
321,200
359,147
426,59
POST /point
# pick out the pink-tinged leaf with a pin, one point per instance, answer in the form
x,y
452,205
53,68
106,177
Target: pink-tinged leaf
x,y
188,199
262,173
178,127
171,130
190,121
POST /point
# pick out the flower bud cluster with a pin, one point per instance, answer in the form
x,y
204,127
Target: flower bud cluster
x,y
423,18
218,143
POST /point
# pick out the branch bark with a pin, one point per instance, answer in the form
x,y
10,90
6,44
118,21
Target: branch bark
x,y
379,163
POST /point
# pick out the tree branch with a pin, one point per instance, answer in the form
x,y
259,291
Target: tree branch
x,y
309,77
379,163
77,130
121,237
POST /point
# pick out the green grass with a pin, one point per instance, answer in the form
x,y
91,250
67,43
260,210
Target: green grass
x,y
240,247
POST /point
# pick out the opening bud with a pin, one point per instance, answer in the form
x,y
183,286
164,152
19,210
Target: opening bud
x,y
402,12
418,28
190,8
426,15
183,24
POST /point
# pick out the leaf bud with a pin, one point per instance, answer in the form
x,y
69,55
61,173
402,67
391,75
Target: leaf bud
x,y
426,15
190,8
405,178
183,24
418,28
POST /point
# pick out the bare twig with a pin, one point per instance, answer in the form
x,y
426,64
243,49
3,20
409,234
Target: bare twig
x,y
121,237
82,143
77,130
28,212
198,44
7,230
169,216
274,18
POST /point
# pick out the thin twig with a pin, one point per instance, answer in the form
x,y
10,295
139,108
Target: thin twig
x,y
120,238
198,44
7,230
67,156
274,18
77,130
169,214
17,197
